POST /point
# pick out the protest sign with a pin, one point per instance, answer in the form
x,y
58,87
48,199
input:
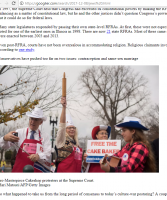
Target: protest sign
x,y
97,149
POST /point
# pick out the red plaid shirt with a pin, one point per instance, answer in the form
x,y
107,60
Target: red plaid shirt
x,y
138,154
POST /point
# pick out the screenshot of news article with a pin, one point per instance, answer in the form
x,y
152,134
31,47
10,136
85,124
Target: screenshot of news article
x,y
112,56
37,32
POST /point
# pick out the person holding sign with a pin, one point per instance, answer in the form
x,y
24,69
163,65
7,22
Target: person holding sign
x,y
136,155
31,139
101,132
67,144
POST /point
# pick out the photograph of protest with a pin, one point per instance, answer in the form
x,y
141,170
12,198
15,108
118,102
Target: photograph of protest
x,y
79,119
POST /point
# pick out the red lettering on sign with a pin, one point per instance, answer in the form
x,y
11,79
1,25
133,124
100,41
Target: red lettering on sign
x,y
97,143
111,143
116,150
94,151
92,143
88,151
109,151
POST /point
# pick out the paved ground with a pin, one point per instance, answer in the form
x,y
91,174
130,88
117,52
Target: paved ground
x,y
7,170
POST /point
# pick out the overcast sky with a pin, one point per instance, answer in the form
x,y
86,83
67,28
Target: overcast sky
x,y
84,122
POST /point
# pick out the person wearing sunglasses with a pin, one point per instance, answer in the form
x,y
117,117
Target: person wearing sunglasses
x,y
101,132
67,144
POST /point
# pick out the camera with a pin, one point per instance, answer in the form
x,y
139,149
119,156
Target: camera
x,y
15,134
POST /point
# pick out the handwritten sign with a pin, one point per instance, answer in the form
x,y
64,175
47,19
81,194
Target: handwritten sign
x,y
96,149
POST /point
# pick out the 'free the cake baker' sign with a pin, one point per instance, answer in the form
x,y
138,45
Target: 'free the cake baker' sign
x,y
97,149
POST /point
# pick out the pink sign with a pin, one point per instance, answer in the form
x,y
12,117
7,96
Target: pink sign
x,y
30,147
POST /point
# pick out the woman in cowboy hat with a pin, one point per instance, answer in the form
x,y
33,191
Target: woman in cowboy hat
x,y
101,132
29,136
136,155
67,145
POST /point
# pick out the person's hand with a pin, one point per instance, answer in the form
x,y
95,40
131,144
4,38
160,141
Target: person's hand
x,y
84,157
104,159
34,157
10,137
63,102
105,167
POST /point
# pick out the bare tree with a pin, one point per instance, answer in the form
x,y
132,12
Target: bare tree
x,y
116,91
152,121
23,87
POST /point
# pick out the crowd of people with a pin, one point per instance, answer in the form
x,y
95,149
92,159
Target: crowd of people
x,y
138,155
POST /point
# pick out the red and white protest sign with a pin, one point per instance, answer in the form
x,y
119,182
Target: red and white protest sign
x,y
102,147
96,149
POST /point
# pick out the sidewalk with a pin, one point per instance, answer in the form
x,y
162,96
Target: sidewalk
x,y
7,170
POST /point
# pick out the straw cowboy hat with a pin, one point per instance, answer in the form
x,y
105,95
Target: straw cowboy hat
x,y
36,113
